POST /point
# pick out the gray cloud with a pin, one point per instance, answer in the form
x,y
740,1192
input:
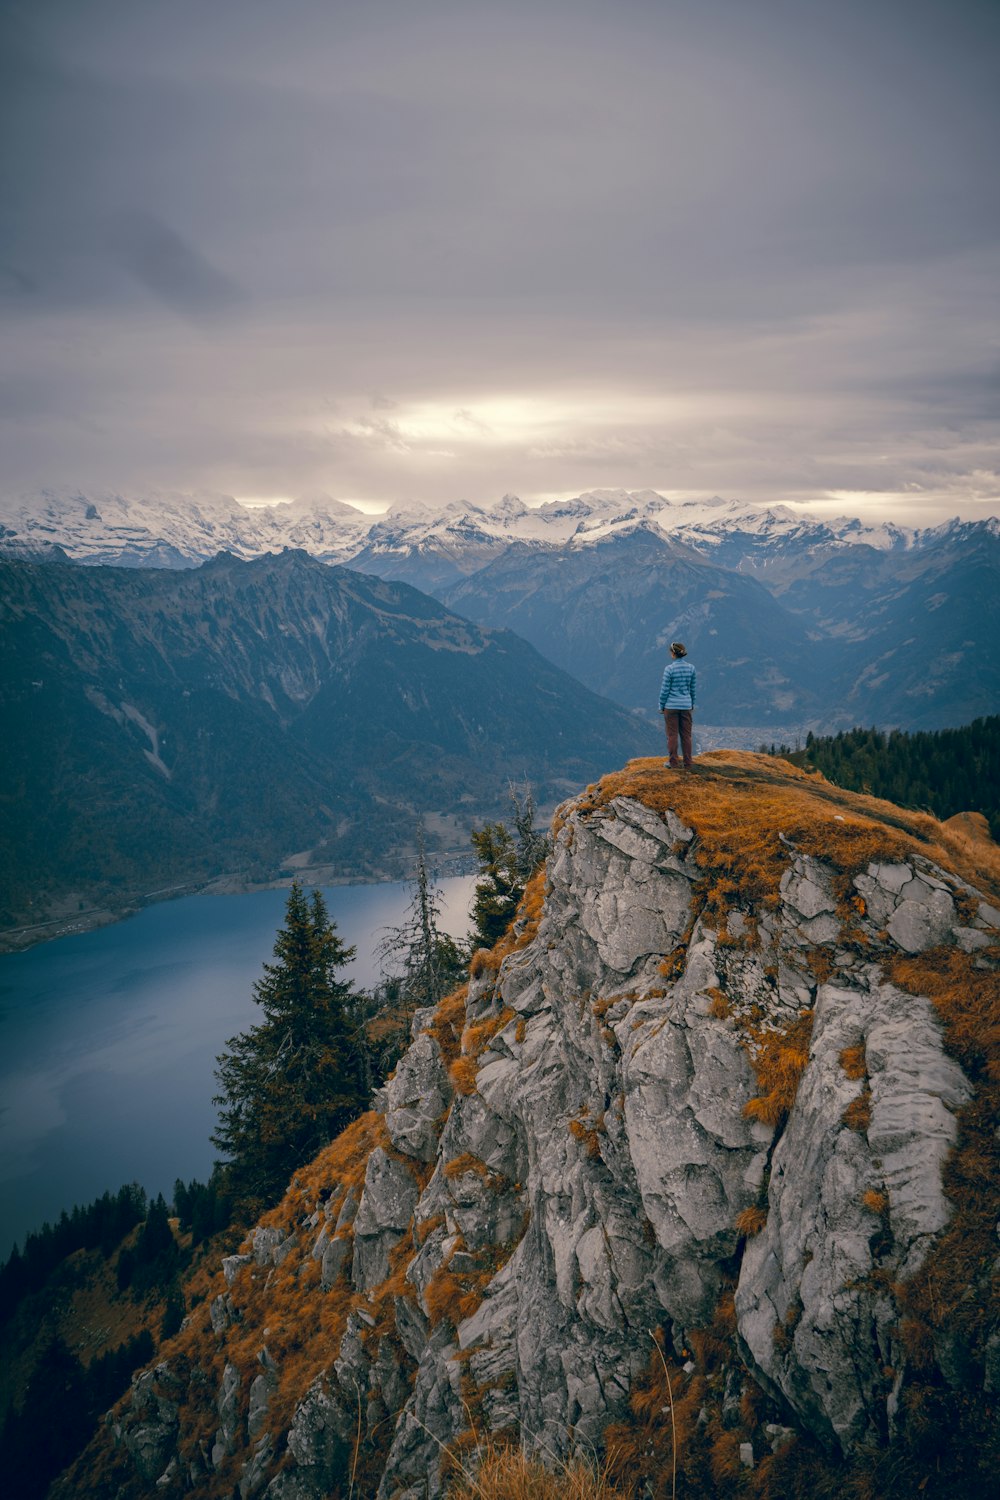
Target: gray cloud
x,y
467,248
174,271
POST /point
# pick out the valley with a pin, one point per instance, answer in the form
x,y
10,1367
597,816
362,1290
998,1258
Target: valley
x,y
253,719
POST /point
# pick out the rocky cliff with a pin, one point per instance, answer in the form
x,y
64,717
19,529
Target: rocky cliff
x,y
698,1172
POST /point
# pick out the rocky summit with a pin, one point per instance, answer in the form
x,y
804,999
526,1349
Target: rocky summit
x,y
697,1175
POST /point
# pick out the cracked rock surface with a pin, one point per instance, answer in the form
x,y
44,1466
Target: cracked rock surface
x,y
587,1189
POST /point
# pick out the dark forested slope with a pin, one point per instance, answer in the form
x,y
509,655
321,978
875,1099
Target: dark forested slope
x,y
164,727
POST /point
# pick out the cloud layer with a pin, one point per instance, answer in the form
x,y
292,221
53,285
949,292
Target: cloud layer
x,y
442,251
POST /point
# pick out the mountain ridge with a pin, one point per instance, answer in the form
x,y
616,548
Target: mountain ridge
x,y
175,529
860,623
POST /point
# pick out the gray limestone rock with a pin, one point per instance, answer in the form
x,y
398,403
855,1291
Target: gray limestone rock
x,y
261,1390
152,1430
270,1246
229,1415
232,1265
808,1271
254,1472
921,920
348,1210
387,1203
221,1312
318,1436
808,888
337,1255
414,1100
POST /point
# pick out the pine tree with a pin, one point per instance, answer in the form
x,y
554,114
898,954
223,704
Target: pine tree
x,y
291,1083
507,862
532,847
500,886
173,1311
420,964
423,961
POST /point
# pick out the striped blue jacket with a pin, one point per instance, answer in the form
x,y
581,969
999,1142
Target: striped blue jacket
x,y
677,690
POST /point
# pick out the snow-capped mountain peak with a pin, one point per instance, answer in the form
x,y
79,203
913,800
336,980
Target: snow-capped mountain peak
x,y
169,529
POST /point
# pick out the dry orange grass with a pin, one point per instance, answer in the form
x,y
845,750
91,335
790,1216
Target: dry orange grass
x,y
778,1058
467,1163
720,1006
455,1295
852,1060
858,1114
738,802
449,1022
751,1221
506,1473
484,961
463,1072
957,1290
520,932
588,1136
282,1307
475,1039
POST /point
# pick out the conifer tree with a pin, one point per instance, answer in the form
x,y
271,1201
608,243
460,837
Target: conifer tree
x,y
420,964
500,887
291,1083
532,847
424,961
507,862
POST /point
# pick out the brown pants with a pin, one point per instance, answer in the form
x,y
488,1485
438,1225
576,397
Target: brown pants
x,y
678,720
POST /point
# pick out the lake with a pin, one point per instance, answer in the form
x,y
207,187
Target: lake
x,y
108,1039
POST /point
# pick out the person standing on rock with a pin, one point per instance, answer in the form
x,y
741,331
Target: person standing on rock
x,y
677,703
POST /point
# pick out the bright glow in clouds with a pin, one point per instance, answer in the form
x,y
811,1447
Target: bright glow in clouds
x,y
516,421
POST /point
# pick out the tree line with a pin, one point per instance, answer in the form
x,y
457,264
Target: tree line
x,y
941,771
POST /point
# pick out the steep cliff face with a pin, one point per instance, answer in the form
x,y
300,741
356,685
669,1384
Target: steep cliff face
x,y
711,1126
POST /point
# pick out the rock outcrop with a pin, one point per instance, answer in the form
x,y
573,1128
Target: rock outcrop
x,y
704,1081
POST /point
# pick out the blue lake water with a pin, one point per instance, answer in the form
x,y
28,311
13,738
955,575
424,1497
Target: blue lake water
x,y
108,1039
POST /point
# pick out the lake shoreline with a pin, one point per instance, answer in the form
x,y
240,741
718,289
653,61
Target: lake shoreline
x,y
110,1038
444,863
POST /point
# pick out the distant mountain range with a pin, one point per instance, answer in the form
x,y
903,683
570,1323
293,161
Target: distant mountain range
x,y
795,622
166,726
432,546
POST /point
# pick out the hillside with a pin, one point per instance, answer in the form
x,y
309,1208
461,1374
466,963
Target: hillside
x,y
168,727
698,1170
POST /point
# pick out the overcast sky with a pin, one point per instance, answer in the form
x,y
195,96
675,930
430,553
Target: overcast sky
x,y
391,249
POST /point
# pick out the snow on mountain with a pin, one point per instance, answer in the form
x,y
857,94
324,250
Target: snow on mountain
x,y
174,530
425,544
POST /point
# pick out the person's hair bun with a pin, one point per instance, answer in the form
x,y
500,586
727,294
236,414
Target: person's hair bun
x,y
678,648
